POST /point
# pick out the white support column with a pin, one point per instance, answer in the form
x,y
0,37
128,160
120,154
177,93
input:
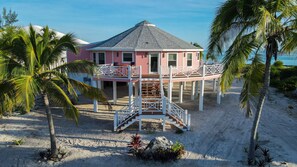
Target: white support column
x,y
196,89
130,87
139,124
214,85
181,89
115,121
170,85
136,89
102,85
201,95
140,91
219,91
189,122
114,86
95,102
193,90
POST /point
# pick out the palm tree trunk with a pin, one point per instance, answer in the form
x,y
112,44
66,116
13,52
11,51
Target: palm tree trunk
x,y
263,92
54,151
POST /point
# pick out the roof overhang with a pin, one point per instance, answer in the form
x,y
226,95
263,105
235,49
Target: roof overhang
x,y
143,50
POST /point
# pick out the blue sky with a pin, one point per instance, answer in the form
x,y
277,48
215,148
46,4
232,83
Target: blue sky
x,y
97,20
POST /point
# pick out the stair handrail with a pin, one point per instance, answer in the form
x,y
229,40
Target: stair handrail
x,y
176,111
126,112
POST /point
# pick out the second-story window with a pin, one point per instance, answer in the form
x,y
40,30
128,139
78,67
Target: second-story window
x,y
128,57
189,59
172,59
99,58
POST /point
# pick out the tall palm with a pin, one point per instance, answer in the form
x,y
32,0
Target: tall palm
x,y
28,68
245,27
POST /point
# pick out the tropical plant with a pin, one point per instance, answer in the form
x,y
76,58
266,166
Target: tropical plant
x,y
8,18
28,69
135,146
245,27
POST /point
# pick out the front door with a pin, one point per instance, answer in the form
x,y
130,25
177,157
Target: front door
x,y
154,63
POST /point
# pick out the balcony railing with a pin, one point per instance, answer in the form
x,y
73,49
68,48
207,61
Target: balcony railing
x,y
110,71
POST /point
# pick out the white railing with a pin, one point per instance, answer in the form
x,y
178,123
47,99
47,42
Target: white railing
x,y
152,104
182,71
213,69
179,113
128,111
110,71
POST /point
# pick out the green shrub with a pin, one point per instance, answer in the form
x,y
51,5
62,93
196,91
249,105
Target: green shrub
x,y
275,73
288,72
278,64
289,84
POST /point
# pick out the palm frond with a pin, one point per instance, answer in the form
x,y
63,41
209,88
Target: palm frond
x,y
57,96
236,57
91,92
253,81
26,89
77,66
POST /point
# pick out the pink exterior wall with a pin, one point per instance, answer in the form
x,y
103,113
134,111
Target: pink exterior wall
x,y
140,58
82,55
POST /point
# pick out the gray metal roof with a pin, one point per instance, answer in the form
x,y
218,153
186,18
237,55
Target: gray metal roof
x,y
144,36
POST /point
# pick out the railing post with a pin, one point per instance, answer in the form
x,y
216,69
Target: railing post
x,y
115,121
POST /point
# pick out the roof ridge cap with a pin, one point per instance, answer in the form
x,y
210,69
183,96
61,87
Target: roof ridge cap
x,y
154,37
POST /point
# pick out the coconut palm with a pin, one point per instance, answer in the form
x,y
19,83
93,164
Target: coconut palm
x,y
28,70
248,27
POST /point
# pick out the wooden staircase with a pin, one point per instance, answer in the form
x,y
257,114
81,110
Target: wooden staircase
x,y
151,88
151,104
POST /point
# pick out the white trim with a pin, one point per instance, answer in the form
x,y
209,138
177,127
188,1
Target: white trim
x,y
112,57
127,61
176,59
149,56
143,50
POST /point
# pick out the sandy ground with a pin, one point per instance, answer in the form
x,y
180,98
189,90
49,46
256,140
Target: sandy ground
x,y
218,137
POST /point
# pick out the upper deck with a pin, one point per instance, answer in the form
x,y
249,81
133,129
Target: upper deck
x,y
108,72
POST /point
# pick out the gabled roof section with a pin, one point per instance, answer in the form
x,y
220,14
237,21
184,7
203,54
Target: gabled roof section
x,y
145,36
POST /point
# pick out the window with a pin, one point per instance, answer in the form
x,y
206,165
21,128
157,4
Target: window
x,y
128,57
198,55
99,58
94,58
172,59
189,59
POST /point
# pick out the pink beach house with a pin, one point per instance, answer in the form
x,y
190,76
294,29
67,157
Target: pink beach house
x,y
147,58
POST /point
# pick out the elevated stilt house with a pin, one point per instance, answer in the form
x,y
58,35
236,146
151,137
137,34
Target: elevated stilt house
x,y
146,57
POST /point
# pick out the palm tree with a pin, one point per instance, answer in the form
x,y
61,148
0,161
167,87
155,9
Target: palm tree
x,y
247,27
27,61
